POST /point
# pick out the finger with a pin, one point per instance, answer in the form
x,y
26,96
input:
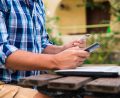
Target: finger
x,y
69,67
81,59
82,45
88,56
82,53
76,44
81,41
79,64
82,48
74,48
79,45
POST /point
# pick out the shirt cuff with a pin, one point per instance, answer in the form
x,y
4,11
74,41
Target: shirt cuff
x,y
6,50
46,44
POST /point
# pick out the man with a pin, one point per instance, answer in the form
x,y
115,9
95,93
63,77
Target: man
x,y
25,47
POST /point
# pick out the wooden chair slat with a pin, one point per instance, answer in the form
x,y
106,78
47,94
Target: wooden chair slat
x,y
104,85
39,80
68,83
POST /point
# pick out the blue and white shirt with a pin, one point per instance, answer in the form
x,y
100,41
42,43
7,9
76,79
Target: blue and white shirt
x,y
22,27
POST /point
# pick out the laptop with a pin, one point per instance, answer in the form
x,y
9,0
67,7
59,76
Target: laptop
x,y
92,71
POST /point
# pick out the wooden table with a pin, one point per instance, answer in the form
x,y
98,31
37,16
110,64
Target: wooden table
x,y
75,86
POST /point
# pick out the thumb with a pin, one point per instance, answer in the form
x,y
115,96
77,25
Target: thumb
x,y
75,48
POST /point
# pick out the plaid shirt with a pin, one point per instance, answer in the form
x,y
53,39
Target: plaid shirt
x,y
21,27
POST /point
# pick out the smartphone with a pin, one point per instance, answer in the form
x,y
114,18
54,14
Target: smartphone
x,y
92,47
84,37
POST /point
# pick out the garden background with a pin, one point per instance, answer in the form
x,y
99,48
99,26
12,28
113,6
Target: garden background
x,y
67,20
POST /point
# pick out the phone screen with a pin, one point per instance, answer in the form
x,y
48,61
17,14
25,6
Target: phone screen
x,y
92,47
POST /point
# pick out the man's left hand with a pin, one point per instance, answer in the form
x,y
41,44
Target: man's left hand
x,y
77,43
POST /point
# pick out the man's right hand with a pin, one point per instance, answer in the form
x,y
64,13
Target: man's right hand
x,y
70,58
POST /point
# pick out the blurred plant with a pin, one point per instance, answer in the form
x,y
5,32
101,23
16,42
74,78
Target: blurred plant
x,y
115,4
115,11
110,45
106,54
55,36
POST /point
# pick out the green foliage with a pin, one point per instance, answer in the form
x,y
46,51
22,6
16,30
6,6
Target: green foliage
x,y
109,53
110,46
54,38
115,5
115,12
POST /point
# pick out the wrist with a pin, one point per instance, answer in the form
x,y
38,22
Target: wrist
x,y
63,48
47,62
54,63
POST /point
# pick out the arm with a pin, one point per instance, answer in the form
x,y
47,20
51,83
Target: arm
x,y
22,60
53,49
12,58
48,48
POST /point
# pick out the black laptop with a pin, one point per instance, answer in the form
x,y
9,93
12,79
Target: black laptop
x,y
92,71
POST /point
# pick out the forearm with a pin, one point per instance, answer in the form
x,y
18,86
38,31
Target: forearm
x,y
22,60
53,49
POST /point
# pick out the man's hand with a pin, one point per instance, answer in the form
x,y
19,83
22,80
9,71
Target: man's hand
x,y
70,58
53,49
80,43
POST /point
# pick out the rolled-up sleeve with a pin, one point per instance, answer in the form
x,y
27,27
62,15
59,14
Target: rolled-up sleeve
x,y
45,40
5,47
